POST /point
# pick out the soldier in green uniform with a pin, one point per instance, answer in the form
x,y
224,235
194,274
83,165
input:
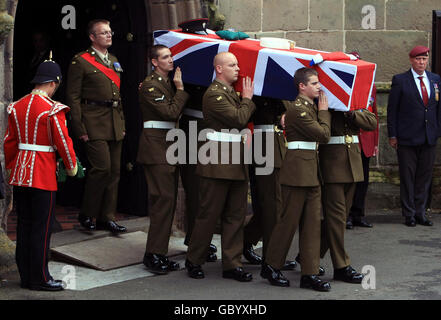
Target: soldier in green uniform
x,y
161,105
192,119
306,125
266,192
223,180
93,93
341,166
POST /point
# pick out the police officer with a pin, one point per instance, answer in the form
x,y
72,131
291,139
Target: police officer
x,y
223,183
93,92
161,106
36,130
341,166
306,125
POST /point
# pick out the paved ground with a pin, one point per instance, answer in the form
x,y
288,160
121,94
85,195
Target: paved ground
x,y
406,264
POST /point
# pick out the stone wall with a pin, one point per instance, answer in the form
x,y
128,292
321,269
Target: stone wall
x,y
382,31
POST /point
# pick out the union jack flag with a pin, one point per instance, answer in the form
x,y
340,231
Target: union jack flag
x,y
347,83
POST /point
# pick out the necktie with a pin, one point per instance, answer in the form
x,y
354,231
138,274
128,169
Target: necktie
x,y
424,92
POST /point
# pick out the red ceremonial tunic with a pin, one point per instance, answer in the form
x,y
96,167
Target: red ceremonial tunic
x,y
36,121
369,139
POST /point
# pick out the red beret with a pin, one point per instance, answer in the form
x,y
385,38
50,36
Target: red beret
x,y
419,51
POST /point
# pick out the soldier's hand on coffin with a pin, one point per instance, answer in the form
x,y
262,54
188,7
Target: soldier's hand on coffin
x,y
322,101
84,138
282,121
247,88
177,79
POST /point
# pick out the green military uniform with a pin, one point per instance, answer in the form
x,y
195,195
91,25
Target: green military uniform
x,y
97,112
341,166
161,107
223,187
300,179
266,189
190,180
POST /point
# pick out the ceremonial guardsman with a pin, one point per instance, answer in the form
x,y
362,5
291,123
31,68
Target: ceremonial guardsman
x,y
341,167
306,125
36,133
93,93
161,106
223,184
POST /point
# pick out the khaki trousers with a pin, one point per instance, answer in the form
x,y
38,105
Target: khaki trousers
x,y
301,209
226,199
267,210
162,185
337,201
101,189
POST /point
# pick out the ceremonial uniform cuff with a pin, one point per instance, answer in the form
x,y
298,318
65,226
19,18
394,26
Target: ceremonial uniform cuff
x,y
72,172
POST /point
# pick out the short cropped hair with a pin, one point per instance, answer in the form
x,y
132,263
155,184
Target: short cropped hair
x,y
91,25
302,75
154,51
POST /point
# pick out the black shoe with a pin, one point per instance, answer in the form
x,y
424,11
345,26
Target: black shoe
x,y
250,255
172,265
212,248
86,222
274,276
112,226
194,270
349,225
211,257
237,274
315,283
321,269
348,274
51,285
155,264
289,265
361,223
410,222
423,221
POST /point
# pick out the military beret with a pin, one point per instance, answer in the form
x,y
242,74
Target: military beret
x,y
419,51
192,26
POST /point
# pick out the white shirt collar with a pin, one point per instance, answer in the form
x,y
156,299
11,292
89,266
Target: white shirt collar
x,y
416,75
104,57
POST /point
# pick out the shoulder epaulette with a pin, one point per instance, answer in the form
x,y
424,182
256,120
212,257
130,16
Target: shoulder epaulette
x,y
57,107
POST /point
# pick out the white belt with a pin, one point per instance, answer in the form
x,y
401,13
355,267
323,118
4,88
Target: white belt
x,y
224,137
302,145
35,147
159,125
194,113
343,139
264,128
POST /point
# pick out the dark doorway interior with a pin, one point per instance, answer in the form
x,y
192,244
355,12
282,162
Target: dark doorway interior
x,y
436,42
128,21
